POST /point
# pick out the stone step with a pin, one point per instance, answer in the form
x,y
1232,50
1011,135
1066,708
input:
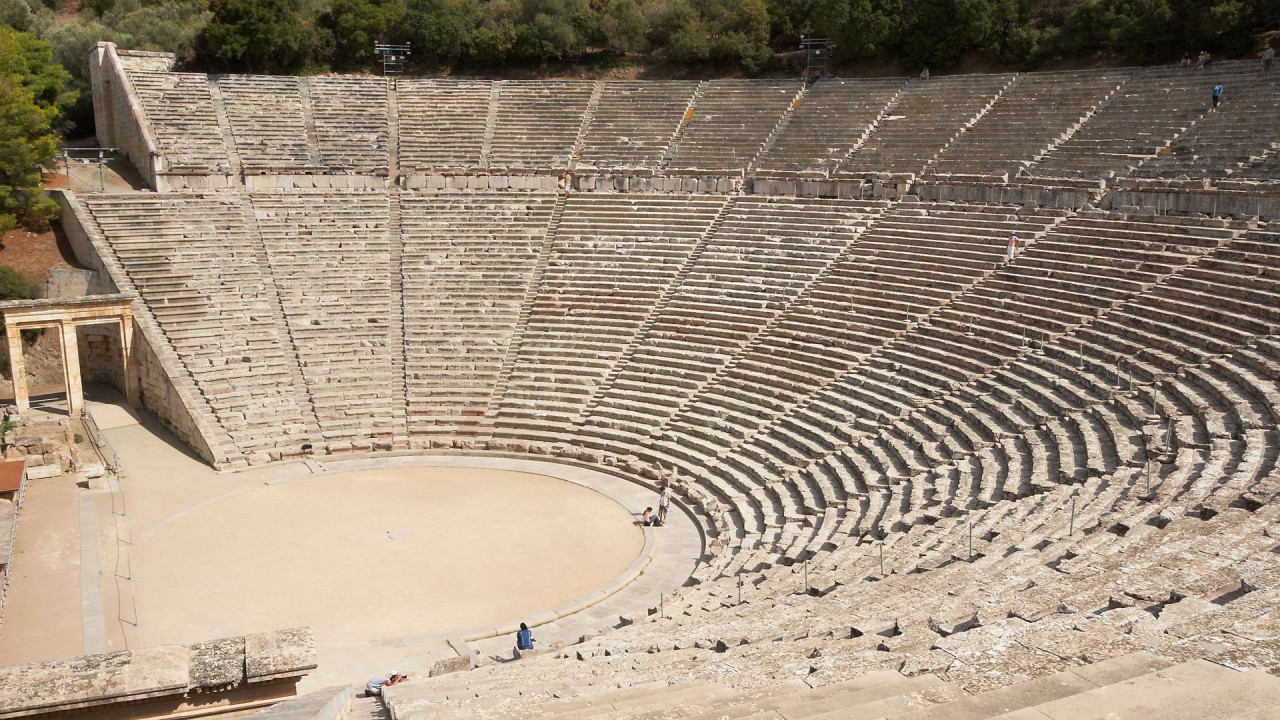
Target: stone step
x,y
1196,690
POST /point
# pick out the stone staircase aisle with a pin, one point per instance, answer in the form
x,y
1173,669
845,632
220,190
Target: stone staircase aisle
x,y
642,333
484,432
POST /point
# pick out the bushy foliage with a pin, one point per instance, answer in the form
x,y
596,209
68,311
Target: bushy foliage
x,y
33,95
14,285
284,36
270,36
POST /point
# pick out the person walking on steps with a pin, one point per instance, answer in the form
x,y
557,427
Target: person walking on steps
x,y
1011,250
1217,96
1267,56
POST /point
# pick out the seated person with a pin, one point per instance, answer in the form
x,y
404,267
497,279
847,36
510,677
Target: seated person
x,y
647,517
374,686
524,638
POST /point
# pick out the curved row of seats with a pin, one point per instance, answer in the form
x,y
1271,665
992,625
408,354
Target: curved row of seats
x,y
1075,124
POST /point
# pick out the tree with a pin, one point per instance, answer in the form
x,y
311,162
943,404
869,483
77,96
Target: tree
x,y
872,28
33,94
356,25
624,27
260,35
441,31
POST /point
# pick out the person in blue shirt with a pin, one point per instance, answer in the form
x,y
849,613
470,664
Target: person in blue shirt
x,y
524,638
1217,95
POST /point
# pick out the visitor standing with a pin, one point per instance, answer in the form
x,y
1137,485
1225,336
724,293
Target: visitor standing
x,y
1012,249
664,500
1267,56
1217,96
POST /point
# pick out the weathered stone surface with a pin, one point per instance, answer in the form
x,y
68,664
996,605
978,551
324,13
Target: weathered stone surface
x,y
217,663
458,663
279,653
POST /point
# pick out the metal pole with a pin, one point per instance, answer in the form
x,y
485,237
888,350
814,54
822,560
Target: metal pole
x,y
1080,360
881,558
806,574
1148,477
1168,438
1071,529
739,589
1128,371
970,541
662,606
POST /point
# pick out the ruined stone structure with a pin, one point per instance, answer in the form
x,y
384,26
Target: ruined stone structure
x,y
925,475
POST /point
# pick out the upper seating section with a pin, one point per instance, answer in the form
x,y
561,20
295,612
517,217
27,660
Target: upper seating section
x,y
634,123
833,118
1035,113
536,123
730,124
1226,143
268,122
351,123
1143,116
442,123
926,116
1082,124
181,112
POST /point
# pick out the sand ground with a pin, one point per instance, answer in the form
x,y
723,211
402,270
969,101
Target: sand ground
x,y
381,562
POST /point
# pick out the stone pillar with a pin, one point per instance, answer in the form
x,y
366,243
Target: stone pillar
x,y
18,368
126,352
71,367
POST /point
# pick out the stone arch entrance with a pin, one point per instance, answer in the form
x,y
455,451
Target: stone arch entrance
x,y
64,315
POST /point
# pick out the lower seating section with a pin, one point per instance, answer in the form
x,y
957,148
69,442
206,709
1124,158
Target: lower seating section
x,y
866,405
834,117
731,123
767,253
926,116
468,261
207,282
1035,113
537,123
442,122
634,123
268,122
609,267
330,254
350,116
180,111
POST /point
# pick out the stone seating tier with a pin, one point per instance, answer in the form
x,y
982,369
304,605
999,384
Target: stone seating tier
x,y
180,109
634,123
731,123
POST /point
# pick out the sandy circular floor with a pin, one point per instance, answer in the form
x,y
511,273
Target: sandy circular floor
x,y
379,554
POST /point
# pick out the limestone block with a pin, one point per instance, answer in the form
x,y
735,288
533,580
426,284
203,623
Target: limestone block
x,y
217,664
280,653
452,665
44,471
